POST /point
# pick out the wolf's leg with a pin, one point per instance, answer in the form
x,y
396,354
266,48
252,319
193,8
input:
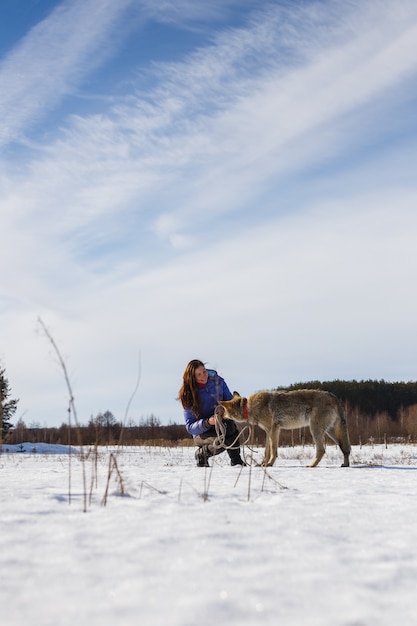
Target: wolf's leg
x,y
273,449
267,448
340,436
317,433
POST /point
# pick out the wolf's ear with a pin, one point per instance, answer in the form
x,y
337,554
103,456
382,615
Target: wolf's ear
x,y
236,395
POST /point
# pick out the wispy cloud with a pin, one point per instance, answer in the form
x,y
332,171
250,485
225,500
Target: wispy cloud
x,y
218,126
213,112
52,59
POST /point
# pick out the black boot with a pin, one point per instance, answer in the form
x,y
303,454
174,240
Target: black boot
x,y
238,461
235,458
201,456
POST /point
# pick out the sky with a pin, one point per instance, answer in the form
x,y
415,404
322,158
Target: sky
x,y
232,181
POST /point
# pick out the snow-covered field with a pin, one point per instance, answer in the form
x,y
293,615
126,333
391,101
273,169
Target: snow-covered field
x,y
188,546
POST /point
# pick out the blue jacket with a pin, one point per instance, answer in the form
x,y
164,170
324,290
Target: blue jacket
x,y
210,395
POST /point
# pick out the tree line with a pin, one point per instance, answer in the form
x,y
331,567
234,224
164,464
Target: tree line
x,y
376,411
102,430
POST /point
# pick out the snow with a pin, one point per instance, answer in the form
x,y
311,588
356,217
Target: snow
x,y
189,546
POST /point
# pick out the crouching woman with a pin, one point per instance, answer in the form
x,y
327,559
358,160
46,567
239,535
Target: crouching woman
x,y
200,394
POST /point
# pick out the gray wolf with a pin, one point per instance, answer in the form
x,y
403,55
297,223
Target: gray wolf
x,y
273,410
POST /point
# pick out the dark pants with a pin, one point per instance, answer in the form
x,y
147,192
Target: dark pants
x,y
214,445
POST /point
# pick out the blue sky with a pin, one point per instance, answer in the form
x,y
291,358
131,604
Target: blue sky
x,y
227,180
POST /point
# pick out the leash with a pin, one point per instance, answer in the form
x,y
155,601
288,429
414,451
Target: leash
x,y
220,428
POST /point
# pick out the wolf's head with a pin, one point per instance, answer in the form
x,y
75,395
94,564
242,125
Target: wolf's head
x,y
236,408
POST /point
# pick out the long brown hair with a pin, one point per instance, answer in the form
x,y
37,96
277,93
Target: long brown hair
x,y
188,394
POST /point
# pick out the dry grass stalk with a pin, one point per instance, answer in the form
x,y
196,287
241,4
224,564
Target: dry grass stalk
x,y
113,466
94,472
71,410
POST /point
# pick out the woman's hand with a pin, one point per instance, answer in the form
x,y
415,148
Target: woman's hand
x,y
218,415
219,412
213,419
